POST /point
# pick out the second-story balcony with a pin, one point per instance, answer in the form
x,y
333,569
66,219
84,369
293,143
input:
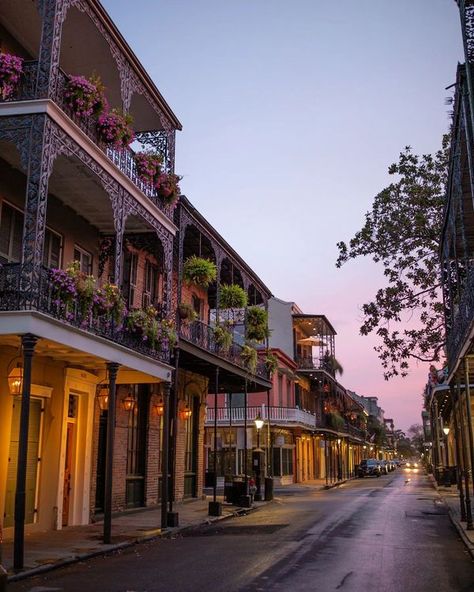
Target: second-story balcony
x,y
98,319
203,336
284,416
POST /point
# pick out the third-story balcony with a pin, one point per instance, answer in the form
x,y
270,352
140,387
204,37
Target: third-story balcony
x,y
285,416
123,159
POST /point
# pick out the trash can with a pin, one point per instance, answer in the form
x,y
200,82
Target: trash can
x,y
209,479
236,490
268,489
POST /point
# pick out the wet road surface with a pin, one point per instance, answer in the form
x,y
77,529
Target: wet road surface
x,y
390,534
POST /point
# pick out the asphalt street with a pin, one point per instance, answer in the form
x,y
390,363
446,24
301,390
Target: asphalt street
x,y
387,534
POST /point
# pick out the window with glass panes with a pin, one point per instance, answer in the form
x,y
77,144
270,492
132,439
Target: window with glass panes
x,y
11,233
84,258
150,284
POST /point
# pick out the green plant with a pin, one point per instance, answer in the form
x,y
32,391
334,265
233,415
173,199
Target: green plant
x,y
256,323
223,337
249,357
271,363
232,296
186,312
199,271
336,420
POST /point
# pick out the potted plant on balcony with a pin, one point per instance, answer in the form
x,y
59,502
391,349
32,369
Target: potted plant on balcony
x,y
85,97
114,128
232,296
167,335
148,166
63,293
336,421
223,337
167,186
11,68
199,271
256,324
249,357
186,312
143,323
114,303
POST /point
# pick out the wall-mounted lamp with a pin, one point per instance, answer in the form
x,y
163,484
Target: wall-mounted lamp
x,y
128,402
158,408
185,412
446,430
15,381
103,397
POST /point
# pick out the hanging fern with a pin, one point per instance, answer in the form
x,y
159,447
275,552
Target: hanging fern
x,y
249,357
199,271
223,337
232,296
257,324
271,363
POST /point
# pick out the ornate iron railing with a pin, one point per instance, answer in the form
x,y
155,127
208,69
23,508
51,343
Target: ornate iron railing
x,y
278,415
122,159
463,319
202,335
44,299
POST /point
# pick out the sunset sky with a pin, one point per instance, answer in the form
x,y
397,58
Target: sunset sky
x,y
291,113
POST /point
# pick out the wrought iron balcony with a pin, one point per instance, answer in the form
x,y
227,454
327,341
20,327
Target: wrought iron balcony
x,y
202,335
463,318
309,363
277,415
122,159
44,299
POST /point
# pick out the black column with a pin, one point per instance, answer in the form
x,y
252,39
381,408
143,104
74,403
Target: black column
x,y
173,431
165,457
216,390
28,343
465,461
112,369
462,506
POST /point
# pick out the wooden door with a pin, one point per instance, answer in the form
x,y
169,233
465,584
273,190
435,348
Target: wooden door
x,y
32,461
68,472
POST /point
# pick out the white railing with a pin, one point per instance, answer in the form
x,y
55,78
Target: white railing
x,y
277,415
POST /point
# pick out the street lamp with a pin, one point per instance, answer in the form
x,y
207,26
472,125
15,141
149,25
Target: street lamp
x,y
257,459
446,432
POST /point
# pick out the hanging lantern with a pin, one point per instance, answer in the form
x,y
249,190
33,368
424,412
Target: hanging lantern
x,y
185,412
103,397
128,402
158,408
15,381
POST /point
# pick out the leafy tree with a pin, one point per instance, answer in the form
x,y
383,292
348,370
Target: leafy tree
x,y
417,438
402,233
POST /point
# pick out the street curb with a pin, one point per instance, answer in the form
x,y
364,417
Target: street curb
x,y
455,522
166,534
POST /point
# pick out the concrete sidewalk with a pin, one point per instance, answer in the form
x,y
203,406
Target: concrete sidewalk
x,y
48,550
450,496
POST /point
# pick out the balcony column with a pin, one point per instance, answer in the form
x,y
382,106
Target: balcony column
x,y
112,370
173,434
42,153
53,13
168,303
28,343
165,455
465,460
468,413
457,436
215,508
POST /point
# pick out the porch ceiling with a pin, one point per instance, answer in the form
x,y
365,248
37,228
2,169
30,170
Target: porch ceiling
x,y
48,350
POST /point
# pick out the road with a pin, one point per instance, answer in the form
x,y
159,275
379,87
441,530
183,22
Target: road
x,y
390,534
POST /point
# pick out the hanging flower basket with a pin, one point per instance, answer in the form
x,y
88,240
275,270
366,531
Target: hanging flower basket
x,y
11,69
232,296
85,97
167,186
148,166
199,271
114,128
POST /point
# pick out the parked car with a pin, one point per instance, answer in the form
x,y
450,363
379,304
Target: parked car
x,y
369,466
384,467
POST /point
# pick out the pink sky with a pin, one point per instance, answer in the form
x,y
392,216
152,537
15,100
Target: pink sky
x,y
291,114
